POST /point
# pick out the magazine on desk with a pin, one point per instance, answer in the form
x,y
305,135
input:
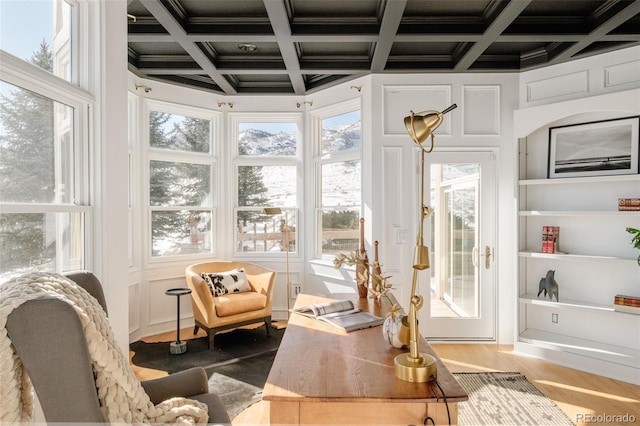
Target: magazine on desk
x,y
341,314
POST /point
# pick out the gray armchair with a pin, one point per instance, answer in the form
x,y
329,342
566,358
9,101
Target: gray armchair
x,y
48,337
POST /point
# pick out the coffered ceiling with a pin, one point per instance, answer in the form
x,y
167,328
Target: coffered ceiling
x,y
300,46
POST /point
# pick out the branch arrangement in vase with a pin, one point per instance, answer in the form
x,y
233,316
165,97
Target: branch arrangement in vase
x,y
380,286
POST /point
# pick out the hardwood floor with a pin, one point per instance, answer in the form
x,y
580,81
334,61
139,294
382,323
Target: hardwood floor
x,y
577,393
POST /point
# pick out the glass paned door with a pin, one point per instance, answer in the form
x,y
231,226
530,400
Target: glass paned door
x,y
459,276
462,235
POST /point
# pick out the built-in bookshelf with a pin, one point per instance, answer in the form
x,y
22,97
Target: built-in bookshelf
x,y
596,261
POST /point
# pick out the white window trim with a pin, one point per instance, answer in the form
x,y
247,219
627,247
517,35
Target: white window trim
x,y
210,158
236,160
21,73
320,159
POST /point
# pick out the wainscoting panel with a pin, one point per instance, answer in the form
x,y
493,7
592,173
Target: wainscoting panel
x,y
134,307
568,84
399,101
619,74
162,308
279,305
391,252
481,110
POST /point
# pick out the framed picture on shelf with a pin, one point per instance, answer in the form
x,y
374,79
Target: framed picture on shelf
x,y
598,148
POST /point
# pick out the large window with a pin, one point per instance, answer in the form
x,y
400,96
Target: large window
x,y
338,168
44,194
267,164
45,27
181,172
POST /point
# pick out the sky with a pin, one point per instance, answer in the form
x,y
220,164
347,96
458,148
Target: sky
x,y
23,25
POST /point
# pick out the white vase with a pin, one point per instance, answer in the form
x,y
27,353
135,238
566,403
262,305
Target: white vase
x,y
391,330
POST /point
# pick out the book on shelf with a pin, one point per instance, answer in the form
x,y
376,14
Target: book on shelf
x,y
628,204
623,300
341,314
550,235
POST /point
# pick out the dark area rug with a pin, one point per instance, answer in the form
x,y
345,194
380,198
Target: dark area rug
x,y
244,354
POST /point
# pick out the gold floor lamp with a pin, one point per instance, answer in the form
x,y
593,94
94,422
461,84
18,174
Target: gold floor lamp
x,y
415,366
271,211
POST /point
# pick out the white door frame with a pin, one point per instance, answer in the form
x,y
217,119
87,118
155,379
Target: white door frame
x,y
483,326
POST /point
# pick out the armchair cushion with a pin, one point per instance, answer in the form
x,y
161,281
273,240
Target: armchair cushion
x,y
234,281
237,303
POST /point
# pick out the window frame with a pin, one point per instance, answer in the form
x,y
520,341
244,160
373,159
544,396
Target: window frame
x,y
20,73
293,211
320,159
211,158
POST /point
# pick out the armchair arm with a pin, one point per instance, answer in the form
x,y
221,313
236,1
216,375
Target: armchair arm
x,y
185,383
262,281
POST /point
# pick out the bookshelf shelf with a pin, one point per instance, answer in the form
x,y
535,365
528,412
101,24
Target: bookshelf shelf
x,y
576,257
562,344
576,213
581,180
532,299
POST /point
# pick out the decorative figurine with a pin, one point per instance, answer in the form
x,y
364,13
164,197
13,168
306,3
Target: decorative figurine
x,y
549,285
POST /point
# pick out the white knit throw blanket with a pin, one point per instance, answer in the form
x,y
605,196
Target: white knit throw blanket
x,y
121,395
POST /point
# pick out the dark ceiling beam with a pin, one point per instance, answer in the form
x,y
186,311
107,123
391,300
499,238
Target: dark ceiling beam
x,y
504,18
229,25
347,38
310,70
436,38
392,15
175,29
280,23
561,38
149,38
167,71
597,34
335,38
622,37
256,38
335,81
194,38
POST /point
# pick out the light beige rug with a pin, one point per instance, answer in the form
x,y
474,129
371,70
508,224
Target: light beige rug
x,y
506,399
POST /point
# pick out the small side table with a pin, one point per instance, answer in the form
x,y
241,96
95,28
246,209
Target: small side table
x,y
178,347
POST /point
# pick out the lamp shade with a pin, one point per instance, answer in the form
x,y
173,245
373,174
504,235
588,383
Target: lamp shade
x,y
421,125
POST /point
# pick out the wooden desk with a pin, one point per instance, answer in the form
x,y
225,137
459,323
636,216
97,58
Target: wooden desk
x,y
322,375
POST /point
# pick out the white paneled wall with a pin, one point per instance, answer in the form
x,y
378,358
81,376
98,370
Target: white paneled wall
x,y
597,75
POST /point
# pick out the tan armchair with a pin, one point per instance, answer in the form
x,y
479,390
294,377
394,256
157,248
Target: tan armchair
x,y
215,314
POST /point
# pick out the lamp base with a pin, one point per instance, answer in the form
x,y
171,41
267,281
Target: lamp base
x,y
418,370
177,348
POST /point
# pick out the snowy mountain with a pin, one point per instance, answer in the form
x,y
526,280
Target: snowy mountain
x,y
338,178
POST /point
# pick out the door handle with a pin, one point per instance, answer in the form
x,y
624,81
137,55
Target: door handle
x,y
487,257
